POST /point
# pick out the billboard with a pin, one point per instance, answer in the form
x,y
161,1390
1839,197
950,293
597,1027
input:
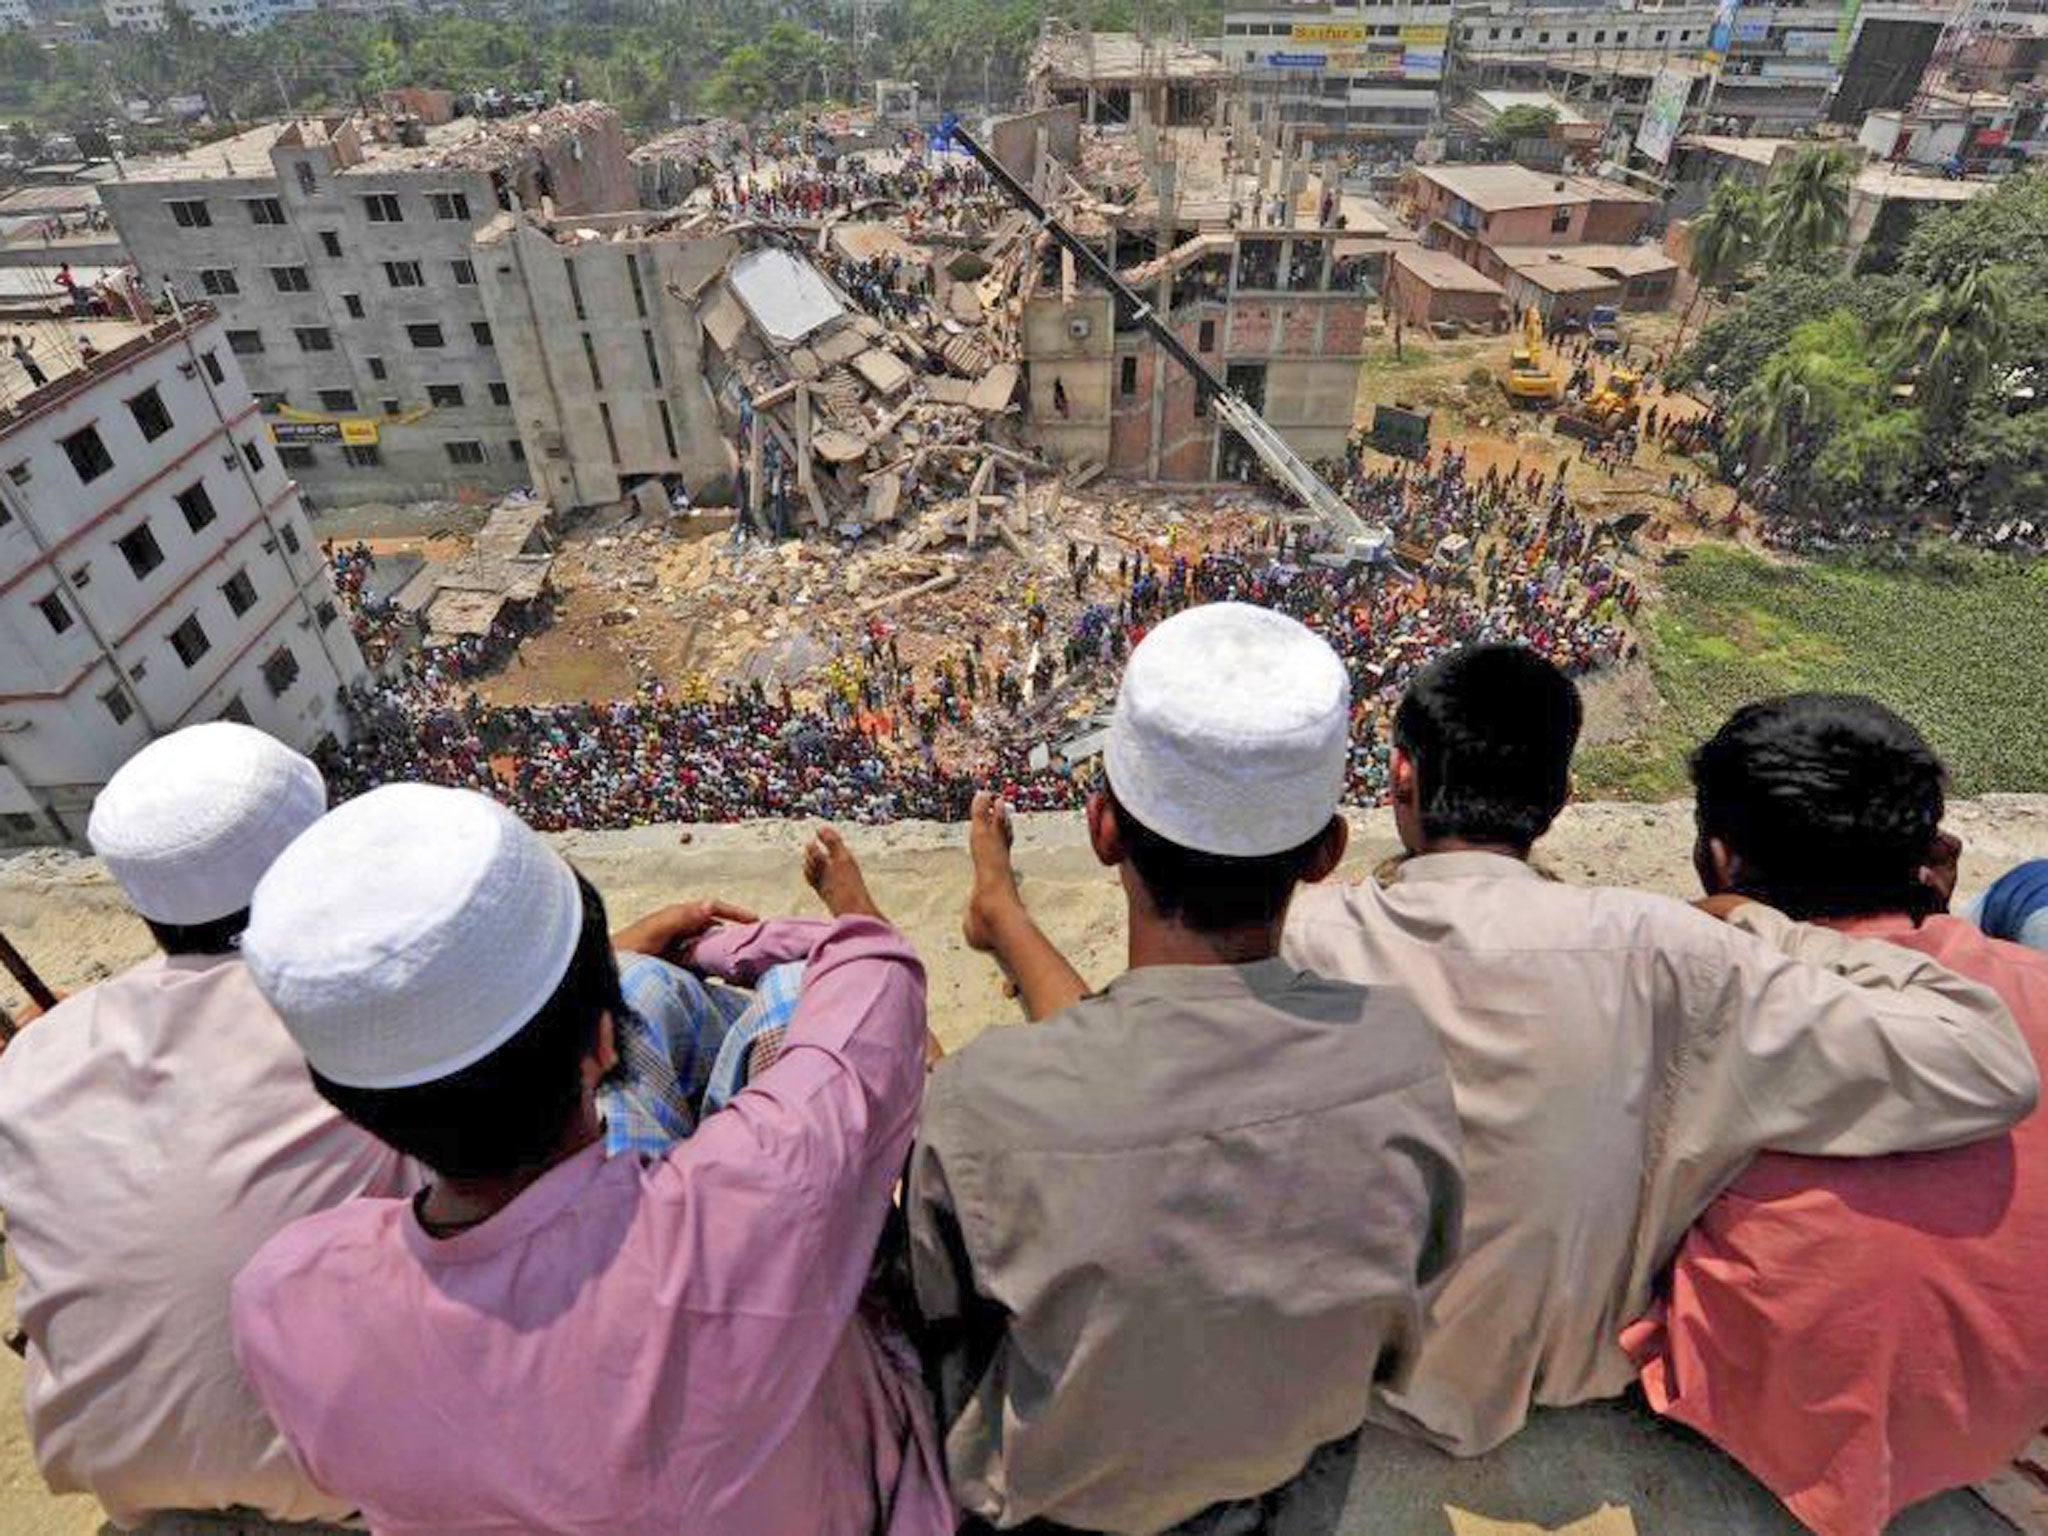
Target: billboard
x,y
356,432
1722,34
1661,117
1326,32
1884,66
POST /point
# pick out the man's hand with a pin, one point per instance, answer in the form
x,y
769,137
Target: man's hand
x,y
1722,905
1943,866
672,933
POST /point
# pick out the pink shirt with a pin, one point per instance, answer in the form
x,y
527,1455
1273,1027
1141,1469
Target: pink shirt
x,y
639,1347
1864,1333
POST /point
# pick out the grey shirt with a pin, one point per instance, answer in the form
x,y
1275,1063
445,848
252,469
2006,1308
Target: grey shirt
x,y
1168,1239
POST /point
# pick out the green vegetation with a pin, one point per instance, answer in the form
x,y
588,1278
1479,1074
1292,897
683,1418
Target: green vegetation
x,y
1889,395
1953,641
1517,123
654,59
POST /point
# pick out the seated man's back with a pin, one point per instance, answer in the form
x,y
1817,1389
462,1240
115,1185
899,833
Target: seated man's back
x,y
1861,1333
155,1131
1167,1239
1618,1057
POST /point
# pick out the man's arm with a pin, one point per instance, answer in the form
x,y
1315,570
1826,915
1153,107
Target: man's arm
x,y
807,1155
1810,1041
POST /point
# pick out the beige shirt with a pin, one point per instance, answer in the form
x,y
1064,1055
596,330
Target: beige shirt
x,y
1167,1239
1618,1058
155,1130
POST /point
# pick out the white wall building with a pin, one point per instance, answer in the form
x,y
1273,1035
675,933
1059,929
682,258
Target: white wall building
x,y
156,569
1357,69
15,13
221,15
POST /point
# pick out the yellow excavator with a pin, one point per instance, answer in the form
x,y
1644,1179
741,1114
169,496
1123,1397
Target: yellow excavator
x,y
1609,411
1531,380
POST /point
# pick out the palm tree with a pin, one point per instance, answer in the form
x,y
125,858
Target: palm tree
x,y
1806,205
1948,340
1724,237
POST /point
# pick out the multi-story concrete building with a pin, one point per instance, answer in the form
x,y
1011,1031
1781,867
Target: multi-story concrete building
x,y
339,254
1362,70
15,13
237,16
599,339
156,568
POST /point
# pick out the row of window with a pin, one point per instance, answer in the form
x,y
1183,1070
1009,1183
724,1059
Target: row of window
x,y
221,282
426,336
1621,38
369,456
448,397
378,208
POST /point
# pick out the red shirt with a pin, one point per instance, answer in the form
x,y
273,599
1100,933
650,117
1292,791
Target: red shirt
x,y
1864,1333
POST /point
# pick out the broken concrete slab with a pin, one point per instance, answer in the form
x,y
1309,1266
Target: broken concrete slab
x,y
993,392
885,371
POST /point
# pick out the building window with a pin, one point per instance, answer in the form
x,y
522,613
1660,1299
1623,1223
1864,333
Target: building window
x,y
219,282
449,205
280,671
270,402
392,407
140,549
330,244
1127,376
1560,219
404,274
307,186
150,416
590,357
382,208
325,613
237,713
245,343
240,592
465,453
214,372
449,395
639,293
425,336
264,210
190,213
518,451
375,365
314,338
653,357
604,414
88,455
56,611
290,535
296,456
361,455
190,641
465,274
1206,337
575,287
353,303
196,505
118,704
500,394
291,279
253,457
337,400
19,474
668,429
480,333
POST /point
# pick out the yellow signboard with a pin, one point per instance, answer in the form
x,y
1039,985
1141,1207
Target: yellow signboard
x,y
302,427
1327,32
1426,35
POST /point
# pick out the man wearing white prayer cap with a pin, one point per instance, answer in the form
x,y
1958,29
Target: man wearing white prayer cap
x,y
155,1130
1166,1239
548,1339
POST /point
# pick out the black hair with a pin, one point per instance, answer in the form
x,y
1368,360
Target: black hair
x,y
222,936
1830,800
509,1112
1210,892
1490,730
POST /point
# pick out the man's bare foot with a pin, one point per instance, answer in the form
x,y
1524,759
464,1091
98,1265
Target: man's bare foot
x,y
989,837
834,873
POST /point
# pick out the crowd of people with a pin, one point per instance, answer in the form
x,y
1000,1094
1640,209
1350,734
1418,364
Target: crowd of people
x,y
806,185
403,1190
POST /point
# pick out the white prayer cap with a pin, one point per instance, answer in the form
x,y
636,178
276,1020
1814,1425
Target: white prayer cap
x,y
1231,731
411,933
188,825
